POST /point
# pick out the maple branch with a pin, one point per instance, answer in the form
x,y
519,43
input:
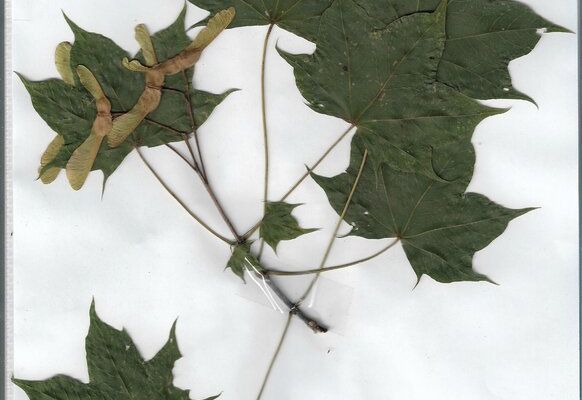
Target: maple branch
x,y
293,307
265,129
310,169
334,267
180,201
336,229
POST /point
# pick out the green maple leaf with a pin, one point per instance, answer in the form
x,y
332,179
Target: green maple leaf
x,y
116,370
298,16
440,226
243,260
278,224
70,110
483,36
383,81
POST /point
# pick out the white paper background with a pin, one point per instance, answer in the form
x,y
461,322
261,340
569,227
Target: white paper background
x,y
147,263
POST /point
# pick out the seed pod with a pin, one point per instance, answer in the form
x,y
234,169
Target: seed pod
x,y
215,26
191,54
81,162
50,174
149,100
155,73
63,62
142,36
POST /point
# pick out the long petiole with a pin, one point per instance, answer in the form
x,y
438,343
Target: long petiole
x,y
316,164
181,202
336,229
265,129
294,309
334,267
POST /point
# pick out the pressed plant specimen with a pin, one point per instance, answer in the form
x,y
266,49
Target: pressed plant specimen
x,y
404,75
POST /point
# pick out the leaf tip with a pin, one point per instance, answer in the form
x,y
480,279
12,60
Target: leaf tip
x,y
485,278
92,310
230,91
418,278
74,27
198,24
21,383
524,211
553,28
173,330
28,84
182,14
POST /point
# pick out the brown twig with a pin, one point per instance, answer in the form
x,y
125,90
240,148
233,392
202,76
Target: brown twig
x,y
293,307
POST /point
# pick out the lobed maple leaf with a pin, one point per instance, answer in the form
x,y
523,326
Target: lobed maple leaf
x,y
116,370
440,226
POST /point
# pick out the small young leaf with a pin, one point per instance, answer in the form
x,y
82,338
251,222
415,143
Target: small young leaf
x,y
116,370
441,227
278,224
300,17
242,260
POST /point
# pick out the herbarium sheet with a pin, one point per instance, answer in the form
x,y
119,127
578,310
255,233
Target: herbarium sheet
x,y
286,199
